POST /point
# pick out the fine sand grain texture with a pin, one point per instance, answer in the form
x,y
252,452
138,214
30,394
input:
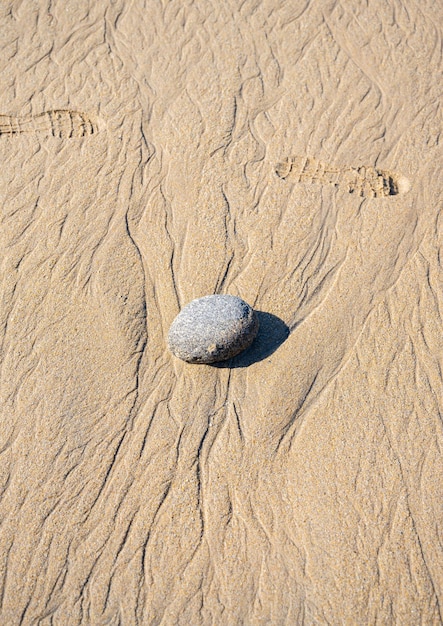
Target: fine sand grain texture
x,y
142,144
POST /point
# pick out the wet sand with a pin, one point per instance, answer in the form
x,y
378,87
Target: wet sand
x,y
285,152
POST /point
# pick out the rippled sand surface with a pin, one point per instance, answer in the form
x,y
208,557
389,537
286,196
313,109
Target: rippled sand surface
x,y
286,152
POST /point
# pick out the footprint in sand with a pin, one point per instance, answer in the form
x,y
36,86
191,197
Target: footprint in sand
x,y
367,182
61,123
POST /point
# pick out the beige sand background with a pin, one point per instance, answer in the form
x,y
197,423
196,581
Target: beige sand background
x,y
307,486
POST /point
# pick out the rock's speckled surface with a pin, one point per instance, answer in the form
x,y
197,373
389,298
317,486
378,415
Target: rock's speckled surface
x,y
212,328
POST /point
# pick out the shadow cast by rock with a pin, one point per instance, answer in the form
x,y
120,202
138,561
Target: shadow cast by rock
x,y
271,334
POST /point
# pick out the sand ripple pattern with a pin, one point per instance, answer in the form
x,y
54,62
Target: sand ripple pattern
x,y
367,182
301,486
62,123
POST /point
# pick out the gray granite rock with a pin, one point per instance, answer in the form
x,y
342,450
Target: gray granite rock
x,y
212,328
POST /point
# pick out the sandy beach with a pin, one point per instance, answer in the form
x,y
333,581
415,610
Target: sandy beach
x,y
286,152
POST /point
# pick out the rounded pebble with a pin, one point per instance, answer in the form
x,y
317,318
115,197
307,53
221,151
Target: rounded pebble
x,y
212,328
